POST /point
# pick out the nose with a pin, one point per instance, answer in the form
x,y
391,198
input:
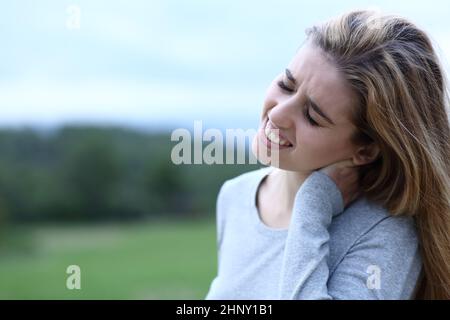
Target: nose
x,y
282,115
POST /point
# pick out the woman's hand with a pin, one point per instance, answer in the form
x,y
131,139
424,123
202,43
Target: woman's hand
x,y
345,175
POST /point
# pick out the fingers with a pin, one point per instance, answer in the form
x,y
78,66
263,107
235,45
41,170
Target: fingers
x,y
346,164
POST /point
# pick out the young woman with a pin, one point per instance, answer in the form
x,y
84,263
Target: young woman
x,y
357,203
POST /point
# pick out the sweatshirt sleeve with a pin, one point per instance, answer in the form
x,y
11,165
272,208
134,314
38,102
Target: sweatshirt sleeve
x,y
374,268
385,264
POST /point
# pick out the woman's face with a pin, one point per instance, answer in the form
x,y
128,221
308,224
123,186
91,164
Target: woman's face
x,y
311,86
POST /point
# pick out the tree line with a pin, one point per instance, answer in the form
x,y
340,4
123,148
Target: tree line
x,y
89,173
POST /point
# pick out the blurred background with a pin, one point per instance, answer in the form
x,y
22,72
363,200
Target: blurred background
x,y
90,92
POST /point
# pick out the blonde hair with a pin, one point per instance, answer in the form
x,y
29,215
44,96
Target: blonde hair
x,y
391,65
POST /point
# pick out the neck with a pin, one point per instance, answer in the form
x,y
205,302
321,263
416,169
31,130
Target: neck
x,y
283,186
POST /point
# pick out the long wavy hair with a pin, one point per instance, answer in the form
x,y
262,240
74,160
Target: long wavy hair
x,y
403,106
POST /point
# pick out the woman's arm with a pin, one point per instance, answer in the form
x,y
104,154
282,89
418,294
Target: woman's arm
x,y
305,272
388,251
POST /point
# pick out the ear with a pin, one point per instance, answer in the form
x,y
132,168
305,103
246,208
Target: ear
x,y
366,154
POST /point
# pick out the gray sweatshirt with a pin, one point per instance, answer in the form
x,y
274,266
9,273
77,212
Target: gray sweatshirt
x,y
326,253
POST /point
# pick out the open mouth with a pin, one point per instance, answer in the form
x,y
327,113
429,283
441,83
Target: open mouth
x,y
273,136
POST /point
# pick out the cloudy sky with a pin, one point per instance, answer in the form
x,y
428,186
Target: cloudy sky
x,y
162,63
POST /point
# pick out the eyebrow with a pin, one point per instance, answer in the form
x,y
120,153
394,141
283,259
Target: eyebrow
x,y
289,76
311,102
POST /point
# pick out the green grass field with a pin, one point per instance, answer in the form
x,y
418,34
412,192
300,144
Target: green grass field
x,y
140,261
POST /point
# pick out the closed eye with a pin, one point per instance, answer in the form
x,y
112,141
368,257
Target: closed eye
x,y
306,112
308,117
284,87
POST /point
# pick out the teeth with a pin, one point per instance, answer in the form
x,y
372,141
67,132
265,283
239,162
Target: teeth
x,y
272,136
